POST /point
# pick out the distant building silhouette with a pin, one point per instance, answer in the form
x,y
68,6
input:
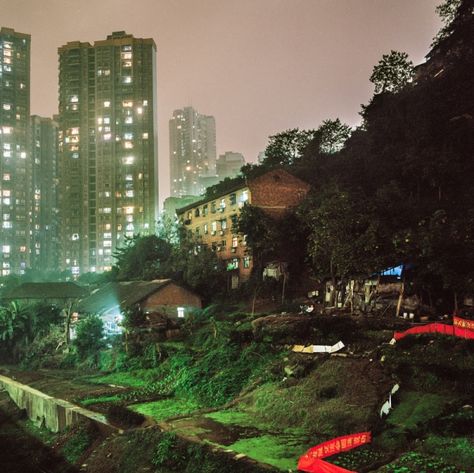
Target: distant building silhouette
x,y
192,151
229,164
108,154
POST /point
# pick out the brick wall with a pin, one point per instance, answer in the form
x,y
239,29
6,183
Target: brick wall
x,y
276,191
172,295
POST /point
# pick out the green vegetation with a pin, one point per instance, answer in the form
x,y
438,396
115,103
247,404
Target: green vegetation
x,y
77,441
89,337
271,449
166,408
414,462
415,409
89,401
134,379
455,451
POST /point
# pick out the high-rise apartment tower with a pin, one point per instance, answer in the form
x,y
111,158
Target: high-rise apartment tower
x,y
44,245
107,165
192,151
15,162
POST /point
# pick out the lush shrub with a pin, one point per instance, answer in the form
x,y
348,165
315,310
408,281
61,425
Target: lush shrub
x,y
89,337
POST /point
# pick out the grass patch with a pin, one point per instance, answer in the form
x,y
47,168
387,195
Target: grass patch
x,y
281,452
415,409
133,379
232,417
166,408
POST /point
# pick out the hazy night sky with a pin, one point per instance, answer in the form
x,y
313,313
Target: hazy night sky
x,y
258,66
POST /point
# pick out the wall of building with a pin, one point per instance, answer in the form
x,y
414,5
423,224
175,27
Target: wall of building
x,y
171,295
211,221
276,191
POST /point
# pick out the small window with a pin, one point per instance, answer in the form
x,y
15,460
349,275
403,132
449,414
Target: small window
x,y
180,311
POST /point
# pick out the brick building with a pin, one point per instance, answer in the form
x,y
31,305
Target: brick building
x,y
163,296
211,221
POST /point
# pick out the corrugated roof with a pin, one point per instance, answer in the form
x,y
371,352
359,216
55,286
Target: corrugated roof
x,y
47,290
124,294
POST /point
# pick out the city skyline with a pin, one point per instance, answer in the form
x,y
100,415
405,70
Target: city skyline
x,y
258,67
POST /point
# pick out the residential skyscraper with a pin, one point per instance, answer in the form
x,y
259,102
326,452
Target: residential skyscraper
x,y
229,164
44,244
108,186
192,151
15,162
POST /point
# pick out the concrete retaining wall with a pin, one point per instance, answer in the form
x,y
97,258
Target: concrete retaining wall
x,y
54,414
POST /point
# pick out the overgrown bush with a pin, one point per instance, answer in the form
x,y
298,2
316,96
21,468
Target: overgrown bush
x,y
89,337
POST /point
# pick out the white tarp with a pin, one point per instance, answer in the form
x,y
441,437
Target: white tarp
x,y
318,348
387,406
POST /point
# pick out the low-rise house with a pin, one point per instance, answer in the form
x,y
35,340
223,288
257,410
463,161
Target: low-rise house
x,y
156,298
58,293
212,221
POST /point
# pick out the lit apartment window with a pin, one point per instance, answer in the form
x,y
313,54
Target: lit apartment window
x,y
6,106
74,131
206,228
127,144
235,242
127,79
127,55
139,110
145,136
129,177
129,210
129,193
6,249
7,224
127,103
23,155
128,160
6,176
7,130
128,136
128,120
107,136
106,120
106,103
246,261
74,99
